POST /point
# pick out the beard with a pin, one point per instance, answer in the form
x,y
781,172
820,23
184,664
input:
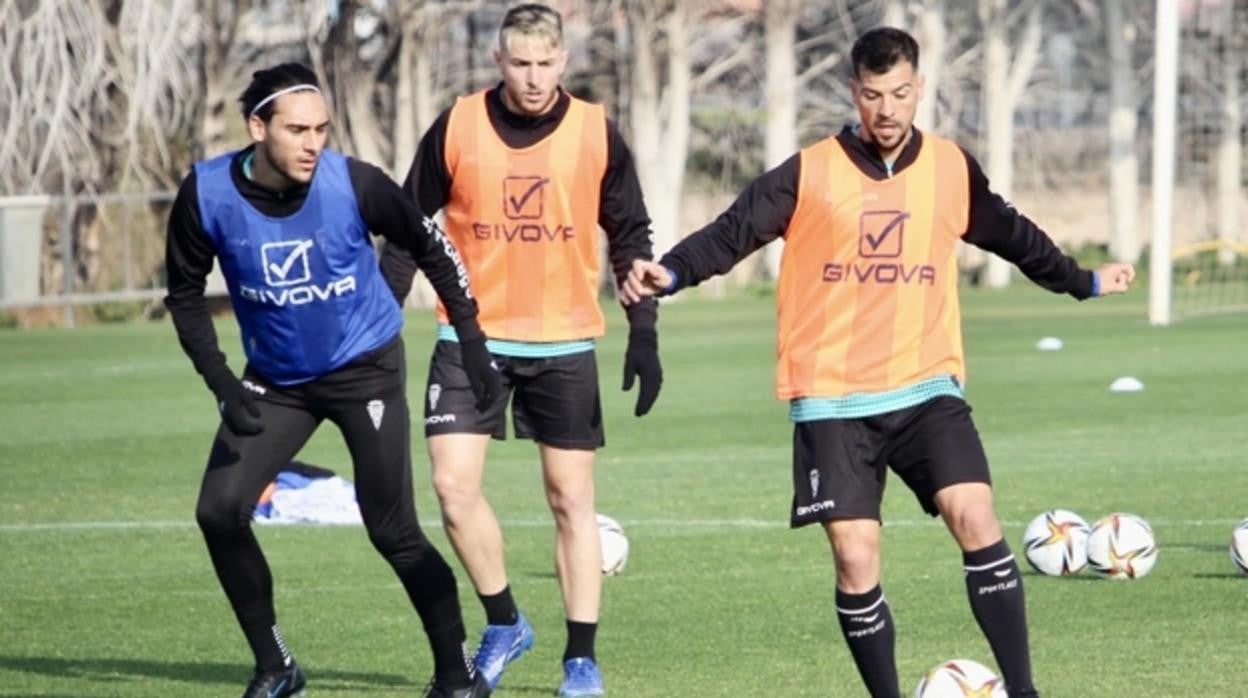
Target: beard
x,y
290,175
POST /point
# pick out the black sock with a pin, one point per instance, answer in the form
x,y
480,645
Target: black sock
x,y
268,645
867,625
580,640
995,587
500,608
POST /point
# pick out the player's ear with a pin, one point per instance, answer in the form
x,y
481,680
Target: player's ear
x,y
257,128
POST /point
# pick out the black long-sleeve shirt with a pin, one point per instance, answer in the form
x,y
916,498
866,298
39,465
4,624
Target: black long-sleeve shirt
x,y
763,210
383,205
621,213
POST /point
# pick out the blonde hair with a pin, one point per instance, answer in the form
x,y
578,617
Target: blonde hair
x,y
531,21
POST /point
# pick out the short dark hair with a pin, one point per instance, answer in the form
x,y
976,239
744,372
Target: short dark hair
x,y
881,48
269,80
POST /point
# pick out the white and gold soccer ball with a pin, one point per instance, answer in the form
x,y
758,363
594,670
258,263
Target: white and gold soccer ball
x,y
960,678
1121,546
614,545
1239,546
1056,543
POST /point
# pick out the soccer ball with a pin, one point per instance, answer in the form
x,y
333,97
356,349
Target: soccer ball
x,y
1056,542
1121,546
614,545
1239,546
958,678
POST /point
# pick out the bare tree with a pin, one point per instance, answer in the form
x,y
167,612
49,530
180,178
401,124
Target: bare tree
x,y
219,30
780,85
91,93
1230,146
1124,167
1004,82
931,34
659,108
425,81
350,78
93,98
783,83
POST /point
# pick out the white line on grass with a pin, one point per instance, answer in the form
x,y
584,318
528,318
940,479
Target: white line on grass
x,y
544,522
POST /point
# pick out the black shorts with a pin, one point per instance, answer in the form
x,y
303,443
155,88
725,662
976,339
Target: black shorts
x,y
554,400
840,465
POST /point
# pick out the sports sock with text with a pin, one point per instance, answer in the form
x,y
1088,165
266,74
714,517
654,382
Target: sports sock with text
x,y
867,624
268,645
995,587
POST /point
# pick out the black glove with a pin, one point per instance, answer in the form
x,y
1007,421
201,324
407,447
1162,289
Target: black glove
x,y
482,373
238,406
642,359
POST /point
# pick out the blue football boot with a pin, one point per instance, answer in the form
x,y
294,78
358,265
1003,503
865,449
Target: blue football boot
x,y
581,678
500,646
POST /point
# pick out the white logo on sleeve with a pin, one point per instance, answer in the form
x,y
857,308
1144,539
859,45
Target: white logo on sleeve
x,y
435,392
286,262
376,409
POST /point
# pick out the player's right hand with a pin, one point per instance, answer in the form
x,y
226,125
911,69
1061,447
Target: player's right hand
x,y
644,280
238,407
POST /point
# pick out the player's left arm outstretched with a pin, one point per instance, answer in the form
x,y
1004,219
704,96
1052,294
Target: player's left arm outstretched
x,y
996,226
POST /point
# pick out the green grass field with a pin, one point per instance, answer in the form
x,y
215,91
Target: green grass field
x,y
107,589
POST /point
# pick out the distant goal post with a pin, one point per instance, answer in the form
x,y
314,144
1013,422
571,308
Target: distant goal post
x,y
1198,259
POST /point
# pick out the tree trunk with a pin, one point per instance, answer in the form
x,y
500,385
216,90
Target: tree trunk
x,y
217,35
780,37
893,14
349,86
660,117
1124,166
932,34
1230,146
1004,82
675,151
406,132
643,104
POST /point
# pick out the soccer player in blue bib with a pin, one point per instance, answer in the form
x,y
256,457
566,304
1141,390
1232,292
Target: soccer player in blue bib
x,y
288,221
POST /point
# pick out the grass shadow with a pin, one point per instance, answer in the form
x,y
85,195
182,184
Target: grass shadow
x,y
104,670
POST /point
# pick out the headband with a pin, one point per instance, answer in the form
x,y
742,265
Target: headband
x,y
293,88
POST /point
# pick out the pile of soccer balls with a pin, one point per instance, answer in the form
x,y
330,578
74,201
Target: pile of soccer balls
x,y
1119,546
